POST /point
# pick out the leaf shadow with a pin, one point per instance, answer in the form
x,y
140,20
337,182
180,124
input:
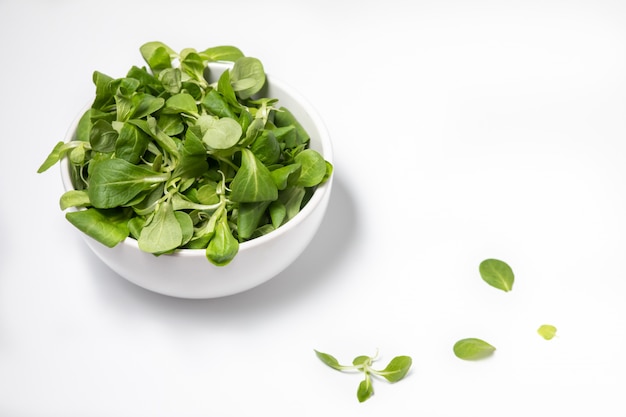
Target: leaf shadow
x,y
298,281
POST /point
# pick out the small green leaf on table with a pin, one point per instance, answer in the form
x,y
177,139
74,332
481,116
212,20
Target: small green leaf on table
x,y
472,349
497,273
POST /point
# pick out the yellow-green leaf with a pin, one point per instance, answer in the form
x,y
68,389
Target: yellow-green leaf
x,y
547,331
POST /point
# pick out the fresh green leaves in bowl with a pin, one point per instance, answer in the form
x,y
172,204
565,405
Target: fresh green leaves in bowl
x,y
175,161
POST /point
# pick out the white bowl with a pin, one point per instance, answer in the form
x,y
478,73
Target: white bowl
x,y
187,273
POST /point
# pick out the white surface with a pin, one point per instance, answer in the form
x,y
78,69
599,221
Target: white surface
x,y
463,130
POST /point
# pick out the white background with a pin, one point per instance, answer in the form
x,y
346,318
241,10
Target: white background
x,y
462,130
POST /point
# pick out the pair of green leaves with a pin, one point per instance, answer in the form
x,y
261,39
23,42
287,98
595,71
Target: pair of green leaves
x,y
396,370
175,161
474,349
497,274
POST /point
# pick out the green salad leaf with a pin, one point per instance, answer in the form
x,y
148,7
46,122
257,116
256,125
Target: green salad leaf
x,y
109,227
472,349
497,273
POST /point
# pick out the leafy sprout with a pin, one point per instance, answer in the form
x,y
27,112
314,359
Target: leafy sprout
x,y
396,370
